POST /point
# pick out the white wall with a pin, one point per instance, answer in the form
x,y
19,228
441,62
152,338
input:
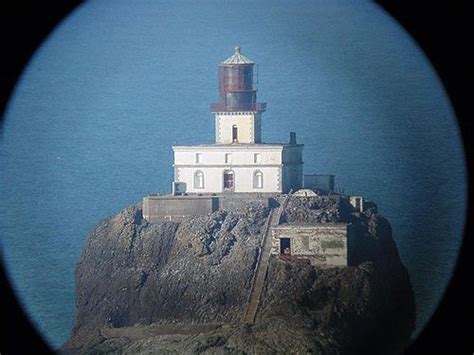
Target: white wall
x,y
243,178
248,126
240,155
278,175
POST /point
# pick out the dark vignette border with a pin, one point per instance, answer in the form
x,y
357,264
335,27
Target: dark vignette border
x,y
440,28
24,25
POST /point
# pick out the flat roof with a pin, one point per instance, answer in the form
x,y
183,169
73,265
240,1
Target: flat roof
x,y
177,197
240,145
236,195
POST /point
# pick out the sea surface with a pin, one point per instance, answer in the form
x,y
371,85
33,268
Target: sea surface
x,y
90,127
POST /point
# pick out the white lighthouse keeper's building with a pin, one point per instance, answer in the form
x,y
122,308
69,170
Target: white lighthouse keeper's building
x,y
239,161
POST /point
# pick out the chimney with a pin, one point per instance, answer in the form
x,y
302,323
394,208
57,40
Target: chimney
x,y
293,138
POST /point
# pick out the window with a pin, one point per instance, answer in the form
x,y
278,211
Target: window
x,y
199,180
198,158
228,180
228,158
235,136
256,158
285,246
257,179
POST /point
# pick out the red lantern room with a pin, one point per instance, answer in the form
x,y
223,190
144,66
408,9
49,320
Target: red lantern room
x,y
236,91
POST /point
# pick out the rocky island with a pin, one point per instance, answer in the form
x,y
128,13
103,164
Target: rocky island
x,y
246,255
187,286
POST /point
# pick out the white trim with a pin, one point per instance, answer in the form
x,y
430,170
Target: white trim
x,y
226,166
229,147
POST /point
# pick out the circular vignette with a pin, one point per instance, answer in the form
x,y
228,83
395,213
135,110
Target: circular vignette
x,y
450,75
25,26
441,31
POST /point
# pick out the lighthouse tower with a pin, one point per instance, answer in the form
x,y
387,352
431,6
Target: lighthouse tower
x,y
239,161
238,114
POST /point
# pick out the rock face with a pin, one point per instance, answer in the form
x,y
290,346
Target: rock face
x,y
183,288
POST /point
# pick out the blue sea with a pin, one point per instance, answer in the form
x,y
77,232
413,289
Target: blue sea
x,y
91,123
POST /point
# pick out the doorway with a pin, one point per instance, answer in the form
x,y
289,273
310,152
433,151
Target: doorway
x,y
285,246
235,137
228,180
357,204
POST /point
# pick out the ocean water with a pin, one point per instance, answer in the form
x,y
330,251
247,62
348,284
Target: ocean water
x,y
91,123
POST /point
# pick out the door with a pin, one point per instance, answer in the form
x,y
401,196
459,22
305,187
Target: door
x,y
358,204
228,180
235,135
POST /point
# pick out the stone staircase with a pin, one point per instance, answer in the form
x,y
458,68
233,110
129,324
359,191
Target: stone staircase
x,y
262,264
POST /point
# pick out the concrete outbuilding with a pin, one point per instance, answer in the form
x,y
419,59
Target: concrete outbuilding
x,y
324,244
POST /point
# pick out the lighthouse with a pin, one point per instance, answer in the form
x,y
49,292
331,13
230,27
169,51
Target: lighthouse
x,y
237,114
239,161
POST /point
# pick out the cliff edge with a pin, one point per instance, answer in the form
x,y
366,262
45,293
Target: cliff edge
x,y
183,287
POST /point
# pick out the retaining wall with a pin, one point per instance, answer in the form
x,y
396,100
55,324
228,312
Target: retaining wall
x,y
175,208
